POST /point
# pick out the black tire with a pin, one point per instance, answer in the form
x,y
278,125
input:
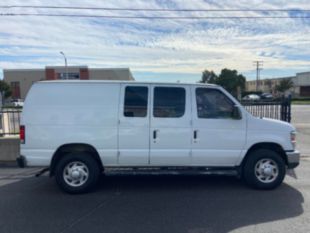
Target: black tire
x,y
84,162
254,176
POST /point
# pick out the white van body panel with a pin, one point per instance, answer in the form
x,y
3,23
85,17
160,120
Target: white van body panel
x,y
270,130
70,113
265,130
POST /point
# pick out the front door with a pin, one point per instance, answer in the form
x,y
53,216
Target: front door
x,y
218,138
170,132
134,127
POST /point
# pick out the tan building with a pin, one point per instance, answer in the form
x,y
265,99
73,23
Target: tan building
x,y
301,86
22,79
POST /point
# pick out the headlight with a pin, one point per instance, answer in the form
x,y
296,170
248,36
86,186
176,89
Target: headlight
x,y
293,139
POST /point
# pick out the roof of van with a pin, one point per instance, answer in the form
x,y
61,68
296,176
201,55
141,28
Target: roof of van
x,y
124,82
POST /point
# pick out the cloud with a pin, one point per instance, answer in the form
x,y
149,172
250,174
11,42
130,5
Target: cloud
x,y
158,46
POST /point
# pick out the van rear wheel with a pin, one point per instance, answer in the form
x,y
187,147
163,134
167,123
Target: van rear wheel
x,y
264,169
77,173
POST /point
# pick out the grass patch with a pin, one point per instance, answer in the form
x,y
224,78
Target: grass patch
x,y
301,102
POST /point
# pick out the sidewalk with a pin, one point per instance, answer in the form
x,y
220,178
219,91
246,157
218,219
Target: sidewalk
x,y
303,138
301,120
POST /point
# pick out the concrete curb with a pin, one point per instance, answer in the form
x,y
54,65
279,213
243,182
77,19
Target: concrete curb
x,y
8,164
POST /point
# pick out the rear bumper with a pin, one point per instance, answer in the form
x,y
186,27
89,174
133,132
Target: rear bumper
x,y
293,158
21,161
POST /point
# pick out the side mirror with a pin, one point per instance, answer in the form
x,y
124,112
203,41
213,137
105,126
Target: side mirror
x,y
236,113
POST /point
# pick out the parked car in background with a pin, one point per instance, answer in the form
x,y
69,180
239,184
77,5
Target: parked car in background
x,y
251,97
266,96
17,103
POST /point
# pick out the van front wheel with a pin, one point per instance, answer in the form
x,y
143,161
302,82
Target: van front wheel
x,y
77,173
264,169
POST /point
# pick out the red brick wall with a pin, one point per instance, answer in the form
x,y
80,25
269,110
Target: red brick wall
x,y
15,87
84,73
50,74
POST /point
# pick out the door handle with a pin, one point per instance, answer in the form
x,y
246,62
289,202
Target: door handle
x,y
195,134
155,134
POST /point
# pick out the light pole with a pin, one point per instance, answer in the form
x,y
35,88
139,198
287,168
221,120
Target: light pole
x,y
66,65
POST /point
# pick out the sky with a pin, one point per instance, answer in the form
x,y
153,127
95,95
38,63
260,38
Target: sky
x,y
159,49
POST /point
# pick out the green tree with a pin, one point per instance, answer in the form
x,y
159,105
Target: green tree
x,y
284,85
231,81
208,77
5,90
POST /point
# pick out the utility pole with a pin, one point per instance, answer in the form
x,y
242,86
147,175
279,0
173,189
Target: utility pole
x,y
258,65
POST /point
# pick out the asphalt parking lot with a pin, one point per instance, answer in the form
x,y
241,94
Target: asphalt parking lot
x,y
193,204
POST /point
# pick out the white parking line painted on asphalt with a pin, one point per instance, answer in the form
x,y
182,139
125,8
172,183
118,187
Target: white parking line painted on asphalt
x,y
12,175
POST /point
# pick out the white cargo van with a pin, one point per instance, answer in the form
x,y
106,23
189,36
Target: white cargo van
x,y
78,129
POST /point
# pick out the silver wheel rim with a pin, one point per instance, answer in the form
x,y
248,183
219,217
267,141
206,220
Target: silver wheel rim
x,y
266,170
76,174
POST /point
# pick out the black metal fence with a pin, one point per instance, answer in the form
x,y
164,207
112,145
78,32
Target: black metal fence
x,y
9,121
276,109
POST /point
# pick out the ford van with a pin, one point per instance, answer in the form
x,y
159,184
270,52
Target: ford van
x,y
80,129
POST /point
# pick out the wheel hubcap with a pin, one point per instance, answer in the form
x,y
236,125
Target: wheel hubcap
x,y
76,173
266,170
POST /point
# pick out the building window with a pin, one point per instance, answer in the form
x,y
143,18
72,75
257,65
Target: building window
x,y
15,86
169,102
70,75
